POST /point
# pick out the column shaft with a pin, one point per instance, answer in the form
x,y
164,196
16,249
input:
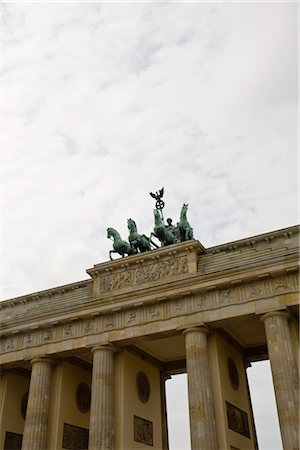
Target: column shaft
x,y
101,435
36,421
202,418
285,376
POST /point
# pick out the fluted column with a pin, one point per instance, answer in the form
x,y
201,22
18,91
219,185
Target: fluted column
x,y
202,418
36,421
101,436
285,376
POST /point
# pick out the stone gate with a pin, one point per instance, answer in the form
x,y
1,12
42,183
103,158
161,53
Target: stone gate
x,y
83,366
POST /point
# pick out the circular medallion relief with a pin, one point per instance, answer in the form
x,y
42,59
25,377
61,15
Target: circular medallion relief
x,y
24,402
83,397
233,374
143,386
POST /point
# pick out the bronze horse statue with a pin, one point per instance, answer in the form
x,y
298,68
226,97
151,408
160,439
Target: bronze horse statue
x,y
186,231
138,241
161,232
119,246
167,234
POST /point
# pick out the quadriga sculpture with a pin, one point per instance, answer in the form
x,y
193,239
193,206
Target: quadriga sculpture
x,y
167,234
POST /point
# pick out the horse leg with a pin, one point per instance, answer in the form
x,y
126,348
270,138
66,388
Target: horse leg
x,y
110,252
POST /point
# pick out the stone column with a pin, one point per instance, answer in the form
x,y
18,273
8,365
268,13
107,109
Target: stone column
x,y
285,376
36,421
202,418
101,435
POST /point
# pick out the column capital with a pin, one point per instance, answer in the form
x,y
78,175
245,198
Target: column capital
x,y
280,313
199,329
109,347
41,359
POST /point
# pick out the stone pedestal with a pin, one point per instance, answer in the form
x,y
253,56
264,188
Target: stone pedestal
x,y
101,435
202,418
36,421
285,376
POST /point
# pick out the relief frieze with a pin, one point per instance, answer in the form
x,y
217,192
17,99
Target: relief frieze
x,y
131,318
109,321
48,335
143,431
68,330
225,297
153,313
117,281
237,420
28,339
10,344
75,438
179,306
203,301
281,284
208,299
254,290
88,326
144,274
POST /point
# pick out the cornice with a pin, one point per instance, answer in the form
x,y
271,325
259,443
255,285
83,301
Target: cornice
x,y
47,293
252,241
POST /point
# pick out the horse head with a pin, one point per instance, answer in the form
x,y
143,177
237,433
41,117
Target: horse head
x,y
131,225
111,232
183,211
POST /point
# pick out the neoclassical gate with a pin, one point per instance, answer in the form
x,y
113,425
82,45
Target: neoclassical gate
x,y
83,366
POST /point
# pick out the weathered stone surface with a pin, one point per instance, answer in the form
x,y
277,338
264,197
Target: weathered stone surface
x,y
35,431
101,435
202,417
285,375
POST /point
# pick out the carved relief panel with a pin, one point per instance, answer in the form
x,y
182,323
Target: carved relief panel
x,y
144,274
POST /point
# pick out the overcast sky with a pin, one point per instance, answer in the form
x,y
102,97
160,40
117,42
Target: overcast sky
x,y
105,102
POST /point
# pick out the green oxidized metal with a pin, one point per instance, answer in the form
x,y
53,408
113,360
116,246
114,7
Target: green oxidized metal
x,y
166,234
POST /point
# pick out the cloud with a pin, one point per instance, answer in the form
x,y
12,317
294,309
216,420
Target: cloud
x,y
105,102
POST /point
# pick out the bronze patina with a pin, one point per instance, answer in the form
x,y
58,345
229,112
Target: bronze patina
x,y
158,197
165,233
139,241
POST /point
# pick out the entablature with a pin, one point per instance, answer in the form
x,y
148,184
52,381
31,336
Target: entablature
x,y
159,291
